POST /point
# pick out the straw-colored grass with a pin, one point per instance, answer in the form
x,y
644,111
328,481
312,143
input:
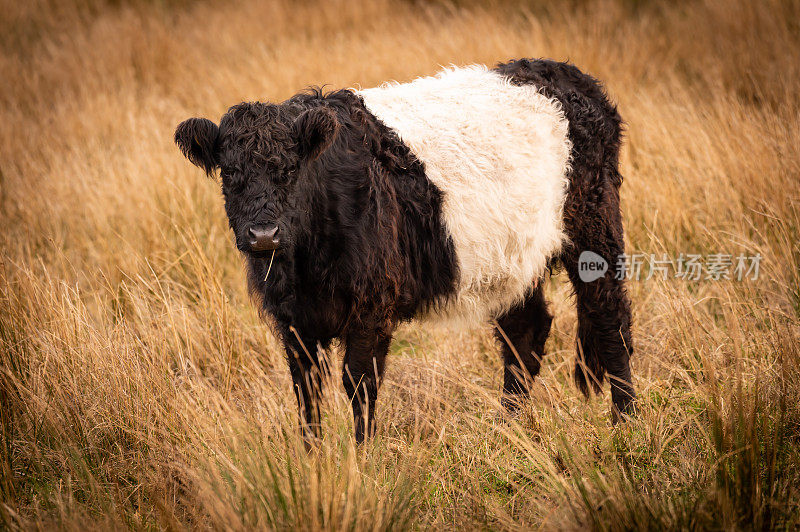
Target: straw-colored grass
x,y
139,389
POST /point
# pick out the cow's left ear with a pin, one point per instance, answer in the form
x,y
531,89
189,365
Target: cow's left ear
x,y
198,140
314,131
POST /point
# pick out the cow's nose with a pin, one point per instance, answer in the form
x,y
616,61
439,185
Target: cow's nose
x,y
264,238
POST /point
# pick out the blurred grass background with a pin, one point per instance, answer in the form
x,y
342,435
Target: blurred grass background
x,y
138,388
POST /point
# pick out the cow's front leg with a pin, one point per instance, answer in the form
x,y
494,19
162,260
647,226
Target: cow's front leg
x,y
307,372
364,360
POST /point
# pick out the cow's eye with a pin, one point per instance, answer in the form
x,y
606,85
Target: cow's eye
x,y
279,178
232,181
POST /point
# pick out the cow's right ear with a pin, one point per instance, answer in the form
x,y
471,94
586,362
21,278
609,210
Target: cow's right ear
x,y
314,131
198,140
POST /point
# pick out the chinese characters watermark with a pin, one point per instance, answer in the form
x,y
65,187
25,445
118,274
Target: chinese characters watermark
x,y
688,267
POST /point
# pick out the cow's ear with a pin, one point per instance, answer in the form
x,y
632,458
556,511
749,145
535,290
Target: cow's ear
x,y
198,140
314,131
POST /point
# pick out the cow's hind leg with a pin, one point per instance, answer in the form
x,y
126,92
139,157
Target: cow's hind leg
x,y
604,311
522,333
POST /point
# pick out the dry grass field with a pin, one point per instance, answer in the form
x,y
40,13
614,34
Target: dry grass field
x,y
139,388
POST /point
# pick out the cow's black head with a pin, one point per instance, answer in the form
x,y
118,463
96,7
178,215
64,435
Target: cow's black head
x,y
259,149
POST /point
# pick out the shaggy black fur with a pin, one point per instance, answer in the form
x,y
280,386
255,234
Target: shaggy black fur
x,y
363,245
593,222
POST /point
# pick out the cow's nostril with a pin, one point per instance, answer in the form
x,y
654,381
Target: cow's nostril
x,y
264,237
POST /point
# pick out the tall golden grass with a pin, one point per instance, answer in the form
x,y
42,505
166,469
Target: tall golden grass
x,y
139,389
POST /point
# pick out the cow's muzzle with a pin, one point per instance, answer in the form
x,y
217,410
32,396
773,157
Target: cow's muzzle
x,y
264,238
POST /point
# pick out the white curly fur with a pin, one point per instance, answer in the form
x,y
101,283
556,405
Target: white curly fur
x,y
500,154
